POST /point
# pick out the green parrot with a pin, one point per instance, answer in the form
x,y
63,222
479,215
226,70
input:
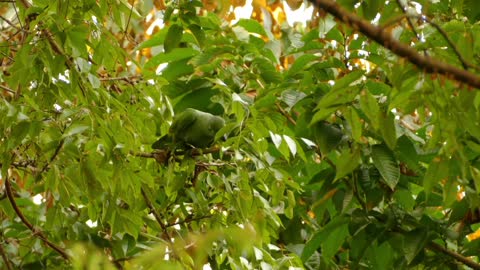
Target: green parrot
x,y
192,127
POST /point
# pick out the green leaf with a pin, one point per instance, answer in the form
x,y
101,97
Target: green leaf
x,y
347,80
338,96
355,122
384,160
437,170
370,8
327,136
19,132
414,242
77,37
319,237
267,70
124,221
74,130
291,97
173,37
370,107
301,63
156,40
175,55
347,162
252,26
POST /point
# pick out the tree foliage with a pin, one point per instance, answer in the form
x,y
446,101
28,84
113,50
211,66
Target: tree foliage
x,y
350,141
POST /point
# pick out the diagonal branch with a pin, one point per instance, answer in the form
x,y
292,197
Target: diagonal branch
x,y
35,231
52,158
6,261
383,37
409,20
155,214
436,247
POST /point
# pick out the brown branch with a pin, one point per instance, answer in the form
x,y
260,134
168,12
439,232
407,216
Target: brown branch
x,y
9,22
288,116
5,258
52,158
7,89
436,247
409,20
126,27
440,30
155,213
383,37
36,232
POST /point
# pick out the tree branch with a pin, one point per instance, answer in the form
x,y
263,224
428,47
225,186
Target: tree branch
x,y
409,20
52,158
383,37
36,232
5,258
436,247
155,213
7,89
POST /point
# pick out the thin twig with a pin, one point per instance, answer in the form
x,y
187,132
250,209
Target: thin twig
x,y
7,89
288,116
36,232
52,158
410,23
384,38
9,22
440,30
155,213
128,23
436,247
6,261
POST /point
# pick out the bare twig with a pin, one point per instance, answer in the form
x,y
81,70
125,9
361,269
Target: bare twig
x,y
6,261
9,22
7,89
384,38
288,116
436,247
442,32
36,232
52,158
155,214
128,23
410,23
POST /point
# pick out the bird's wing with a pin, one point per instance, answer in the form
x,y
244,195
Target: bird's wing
x,y
183,121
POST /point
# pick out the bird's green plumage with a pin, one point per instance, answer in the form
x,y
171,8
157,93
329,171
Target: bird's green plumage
x,y
194,127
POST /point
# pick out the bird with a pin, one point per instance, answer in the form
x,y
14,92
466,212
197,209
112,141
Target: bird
x,y
191,128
